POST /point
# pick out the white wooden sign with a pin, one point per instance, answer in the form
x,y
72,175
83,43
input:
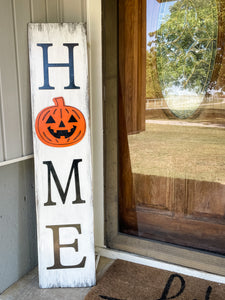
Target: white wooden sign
x,y
62,151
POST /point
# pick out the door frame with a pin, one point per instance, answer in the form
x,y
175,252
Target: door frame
x,y
94,43
195,259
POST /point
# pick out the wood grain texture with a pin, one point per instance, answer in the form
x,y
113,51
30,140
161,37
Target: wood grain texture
x,y
175,210
148,247
76,263
132,43
179,211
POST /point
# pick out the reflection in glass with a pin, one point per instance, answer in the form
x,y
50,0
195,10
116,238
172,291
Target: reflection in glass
x,y
184,81
185,48
178,161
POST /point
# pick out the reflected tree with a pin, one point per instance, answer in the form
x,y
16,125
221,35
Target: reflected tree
x,y
182,51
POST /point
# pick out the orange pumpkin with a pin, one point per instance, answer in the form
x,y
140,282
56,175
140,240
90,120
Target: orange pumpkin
x,y
60,125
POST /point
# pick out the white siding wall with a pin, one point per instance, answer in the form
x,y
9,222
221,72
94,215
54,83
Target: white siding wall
x,y
17,205
15,116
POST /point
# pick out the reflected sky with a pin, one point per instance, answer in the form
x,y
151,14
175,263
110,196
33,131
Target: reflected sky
x,y
152,16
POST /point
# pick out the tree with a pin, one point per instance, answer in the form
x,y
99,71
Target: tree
x,y
183,49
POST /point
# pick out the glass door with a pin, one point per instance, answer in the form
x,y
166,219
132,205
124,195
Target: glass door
x,y
171,127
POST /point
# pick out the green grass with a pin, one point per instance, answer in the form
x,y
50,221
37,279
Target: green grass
x,y
179,152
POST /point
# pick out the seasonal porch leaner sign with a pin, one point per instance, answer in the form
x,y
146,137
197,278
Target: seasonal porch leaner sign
x,y
62,152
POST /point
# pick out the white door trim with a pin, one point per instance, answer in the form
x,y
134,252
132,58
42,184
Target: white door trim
x,y
115,254
94,37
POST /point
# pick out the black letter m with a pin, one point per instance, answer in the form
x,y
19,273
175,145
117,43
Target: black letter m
x,y
63,194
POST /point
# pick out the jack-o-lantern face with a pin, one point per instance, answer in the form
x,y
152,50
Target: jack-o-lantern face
x,y
60,125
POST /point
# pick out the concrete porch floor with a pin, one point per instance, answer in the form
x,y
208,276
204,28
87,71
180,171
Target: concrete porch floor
x,y
27,287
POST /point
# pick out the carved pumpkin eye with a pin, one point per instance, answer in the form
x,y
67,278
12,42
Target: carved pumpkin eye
x,y
50,120
72,119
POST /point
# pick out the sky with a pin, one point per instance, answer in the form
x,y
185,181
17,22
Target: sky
x,y
153,12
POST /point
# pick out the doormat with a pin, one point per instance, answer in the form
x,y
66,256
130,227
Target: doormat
x,y
129,281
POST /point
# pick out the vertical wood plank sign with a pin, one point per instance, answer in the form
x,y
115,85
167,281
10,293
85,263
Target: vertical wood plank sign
x,y
62,151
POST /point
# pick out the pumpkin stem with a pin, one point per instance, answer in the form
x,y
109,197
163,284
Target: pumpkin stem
x,y
59,101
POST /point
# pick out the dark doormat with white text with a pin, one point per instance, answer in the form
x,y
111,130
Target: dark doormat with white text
x,y
129,281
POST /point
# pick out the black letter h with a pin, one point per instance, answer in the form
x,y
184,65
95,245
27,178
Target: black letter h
x,y
47,65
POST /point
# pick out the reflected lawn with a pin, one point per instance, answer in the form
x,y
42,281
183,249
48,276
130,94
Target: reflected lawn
x,y
178,151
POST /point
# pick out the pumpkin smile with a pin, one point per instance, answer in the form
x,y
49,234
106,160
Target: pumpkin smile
x,y
62,133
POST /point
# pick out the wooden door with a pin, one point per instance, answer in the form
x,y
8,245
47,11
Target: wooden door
x,y
171,158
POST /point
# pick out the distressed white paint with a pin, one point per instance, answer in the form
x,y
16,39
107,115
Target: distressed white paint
x,y
14,74
68,213
15,94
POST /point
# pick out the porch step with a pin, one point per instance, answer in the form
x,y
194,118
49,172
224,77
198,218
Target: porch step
x,y
27,287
